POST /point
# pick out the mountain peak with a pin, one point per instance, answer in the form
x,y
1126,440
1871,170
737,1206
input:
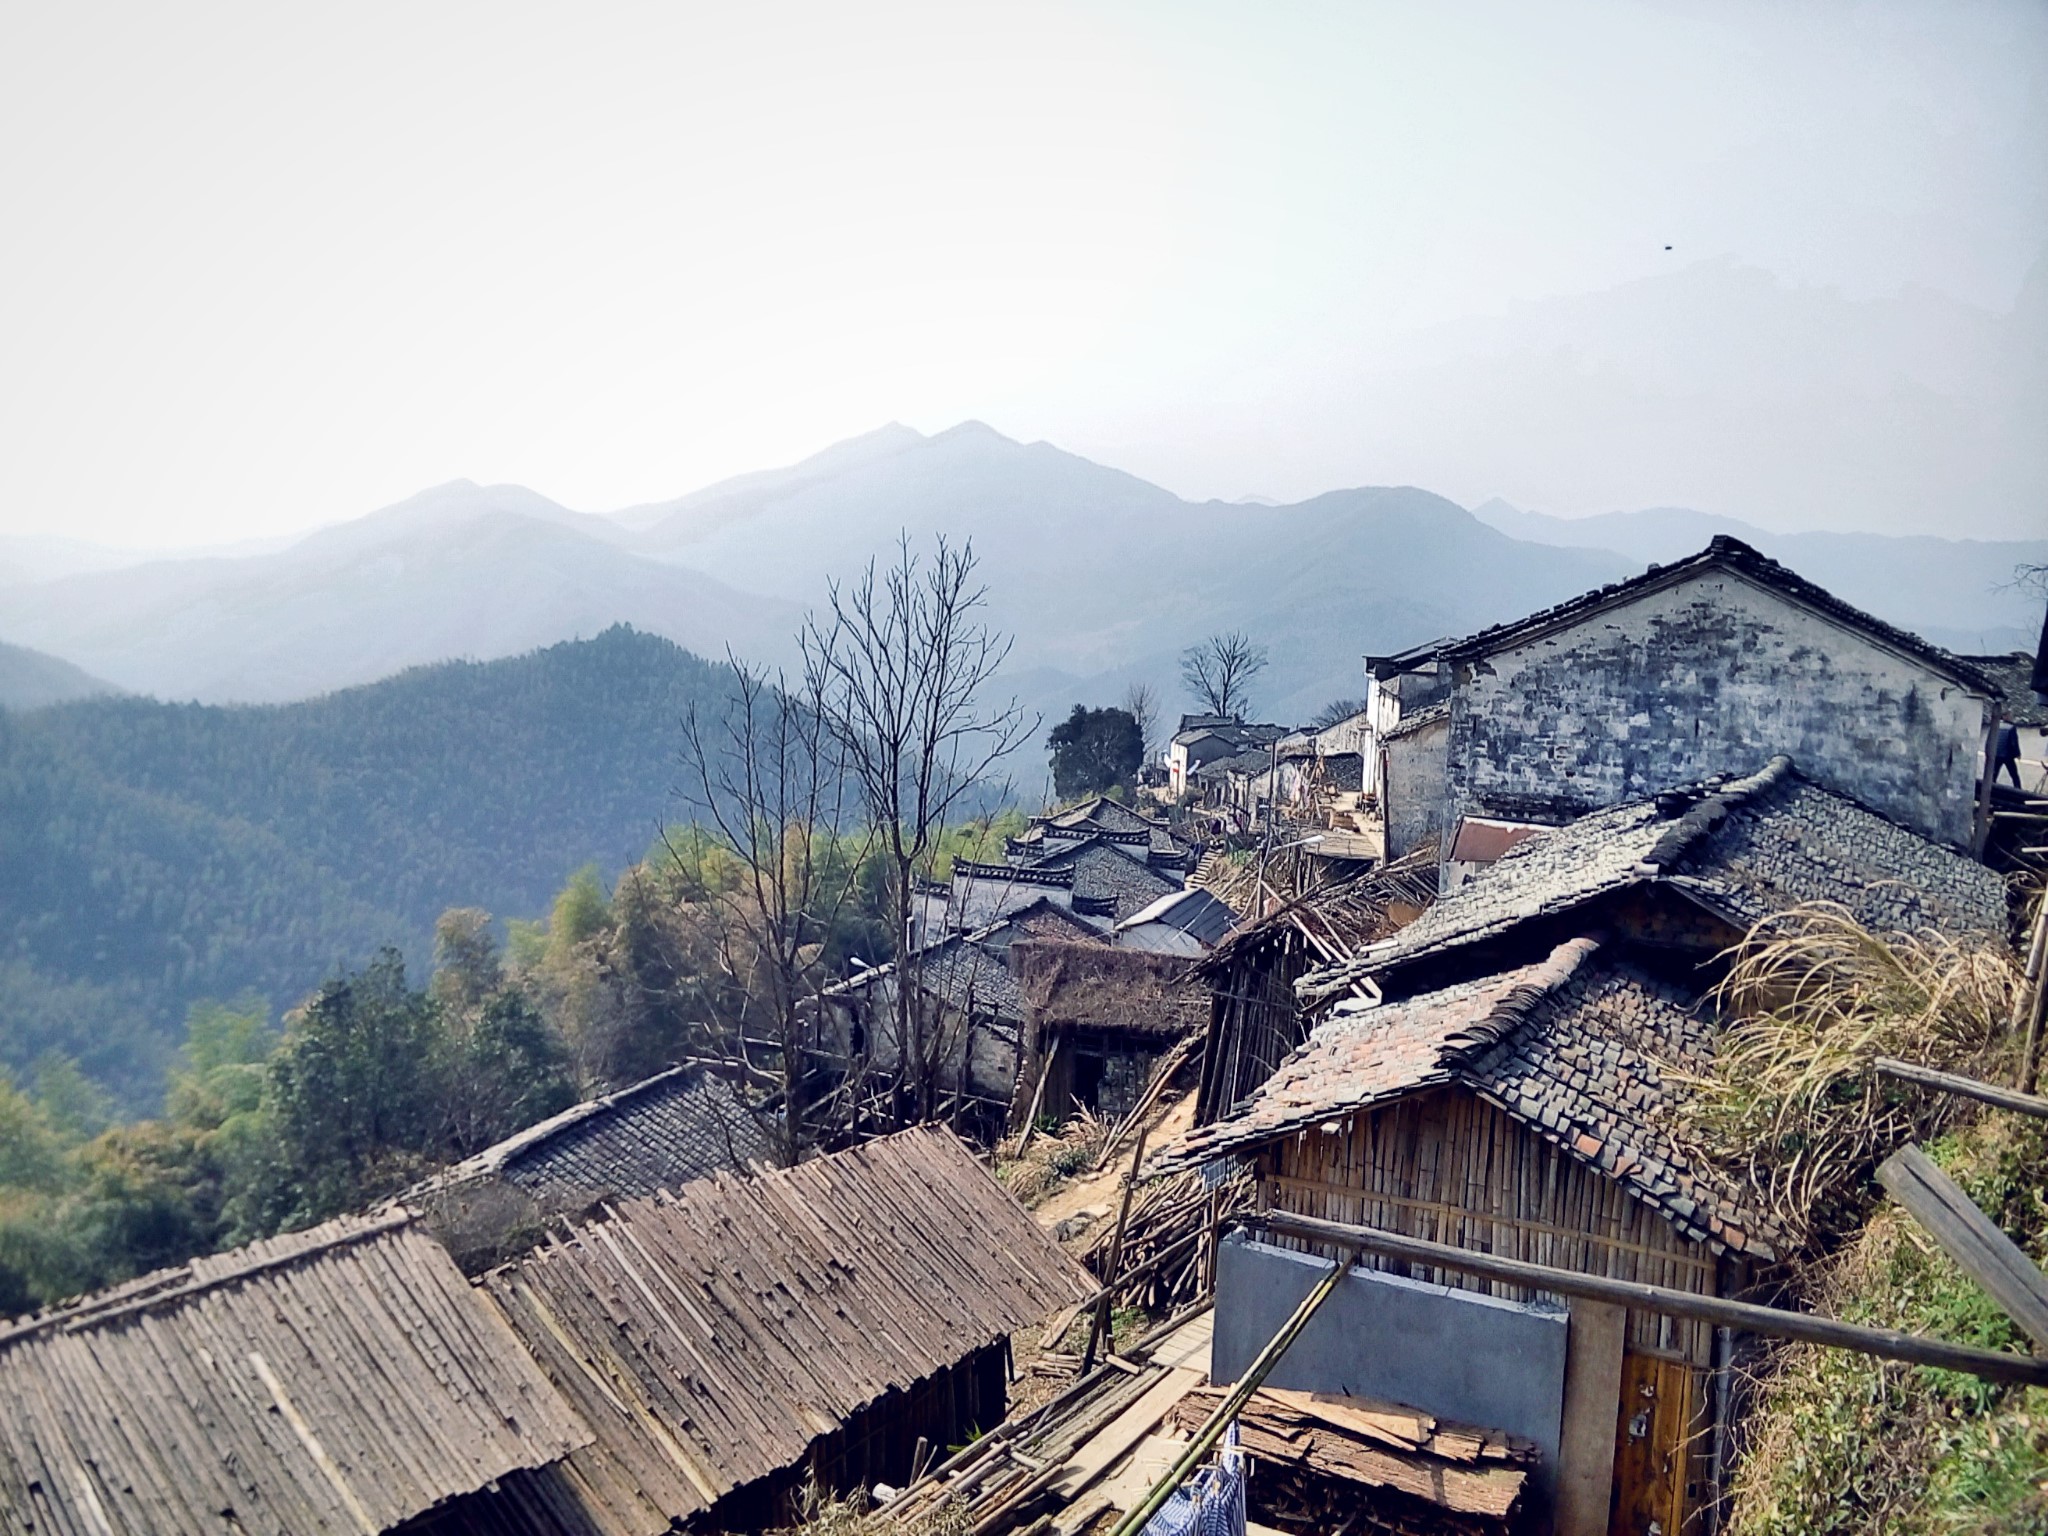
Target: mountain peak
x,y
973,431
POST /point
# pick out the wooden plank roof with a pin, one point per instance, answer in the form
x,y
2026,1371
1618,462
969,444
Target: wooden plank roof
x,y
711,1334
341,1379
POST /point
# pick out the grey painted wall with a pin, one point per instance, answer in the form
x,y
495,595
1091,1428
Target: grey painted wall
x,y
1414,793
1714,674
1456,1354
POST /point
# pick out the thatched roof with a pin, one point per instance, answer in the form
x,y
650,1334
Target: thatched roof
x,y
1092,986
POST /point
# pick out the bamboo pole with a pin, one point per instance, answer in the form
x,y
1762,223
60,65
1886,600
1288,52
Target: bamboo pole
x,y
1227,1410
2036,994
1038,1093
1116,1253
1965,1087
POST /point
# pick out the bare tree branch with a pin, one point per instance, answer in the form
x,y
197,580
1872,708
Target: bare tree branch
x,y
1218,672
898,667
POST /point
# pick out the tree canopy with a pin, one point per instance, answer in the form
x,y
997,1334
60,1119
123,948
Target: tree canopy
x,y
1094,750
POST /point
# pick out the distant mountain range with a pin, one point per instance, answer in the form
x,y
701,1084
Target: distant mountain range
x,y
155,854
1102,577
29,680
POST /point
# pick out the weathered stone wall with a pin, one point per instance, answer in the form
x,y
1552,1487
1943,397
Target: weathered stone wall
x,y
1415,787
1715,674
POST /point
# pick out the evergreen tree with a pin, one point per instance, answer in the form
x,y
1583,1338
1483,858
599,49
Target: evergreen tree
x,y
1094,750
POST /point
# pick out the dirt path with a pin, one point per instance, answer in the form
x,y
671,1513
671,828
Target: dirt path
x,y
1103,1189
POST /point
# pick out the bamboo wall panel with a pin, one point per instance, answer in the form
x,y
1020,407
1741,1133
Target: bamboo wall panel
x,y
1449,1167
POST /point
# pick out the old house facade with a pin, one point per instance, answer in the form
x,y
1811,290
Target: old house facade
x,y
1711,664
1531,1113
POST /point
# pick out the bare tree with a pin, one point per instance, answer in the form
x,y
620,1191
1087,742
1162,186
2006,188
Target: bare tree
x,y
767,787
898,668
1142,702
1218,672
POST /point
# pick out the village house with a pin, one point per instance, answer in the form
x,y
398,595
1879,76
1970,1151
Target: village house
x,y
1713,663
1255,1019
1690,871
732,1340
967,1017
343,1379
1096,1022
1530,1112
1506,1072
2026,712
661,1133
1204,739
1099,861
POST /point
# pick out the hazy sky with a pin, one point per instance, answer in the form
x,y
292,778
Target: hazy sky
x,y
272,265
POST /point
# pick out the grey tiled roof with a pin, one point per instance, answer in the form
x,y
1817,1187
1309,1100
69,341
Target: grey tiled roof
x,y
1578,1047
961,969
1420,720
1102,814
1104,873
1744,847
971,979
661,1133
1726,553
2013,672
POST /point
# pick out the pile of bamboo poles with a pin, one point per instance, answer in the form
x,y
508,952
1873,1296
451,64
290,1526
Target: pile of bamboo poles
x,y
1164,1214
1003,1481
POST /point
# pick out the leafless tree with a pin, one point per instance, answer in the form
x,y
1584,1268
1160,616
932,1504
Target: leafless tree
x,y
766,785
1218,672
1142,702
899,665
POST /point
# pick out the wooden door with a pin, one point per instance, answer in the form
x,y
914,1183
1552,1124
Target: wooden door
x,y
1651,1446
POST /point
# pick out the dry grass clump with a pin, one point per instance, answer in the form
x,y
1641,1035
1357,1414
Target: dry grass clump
x,y
1842,1443
1791,1097
823,1515
1051,1158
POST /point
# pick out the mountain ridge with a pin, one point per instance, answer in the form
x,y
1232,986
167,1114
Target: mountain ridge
x,y
1101,576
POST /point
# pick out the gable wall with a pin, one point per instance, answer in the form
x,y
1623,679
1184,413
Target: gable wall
x,y
1413,767
1715,674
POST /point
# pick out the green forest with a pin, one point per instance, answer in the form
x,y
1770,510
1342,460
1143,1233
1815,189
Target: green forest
x,y
154,856
380,1077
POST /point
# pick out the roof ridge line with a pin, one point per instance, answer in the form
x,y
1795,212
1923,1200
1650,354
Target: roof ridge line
x,y
1706,814
85,1313
1520,1002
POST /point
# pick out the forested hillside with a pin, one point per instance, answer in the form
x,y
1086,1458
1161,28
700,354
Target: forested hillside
x,y
155,854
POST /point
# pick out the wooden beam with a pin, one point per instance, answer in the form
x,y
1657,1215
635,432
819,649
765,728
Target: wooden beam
x,y
1743,1316
1969,1237
1594,1342
1967,1087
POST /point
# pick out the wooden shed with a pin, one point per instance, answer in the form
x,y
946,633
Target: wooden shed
x,y
732,1339
1531,1113
1095,1021
344,1379
1255,1019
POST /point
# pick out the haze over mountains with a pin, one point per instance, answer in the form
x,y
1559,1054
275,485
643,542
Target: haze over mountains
x,y
1101,576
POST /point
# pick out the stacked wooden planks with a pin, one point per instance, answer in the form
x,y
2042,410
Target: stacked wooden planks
x,y
711,1335
1464,1471
342,1379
